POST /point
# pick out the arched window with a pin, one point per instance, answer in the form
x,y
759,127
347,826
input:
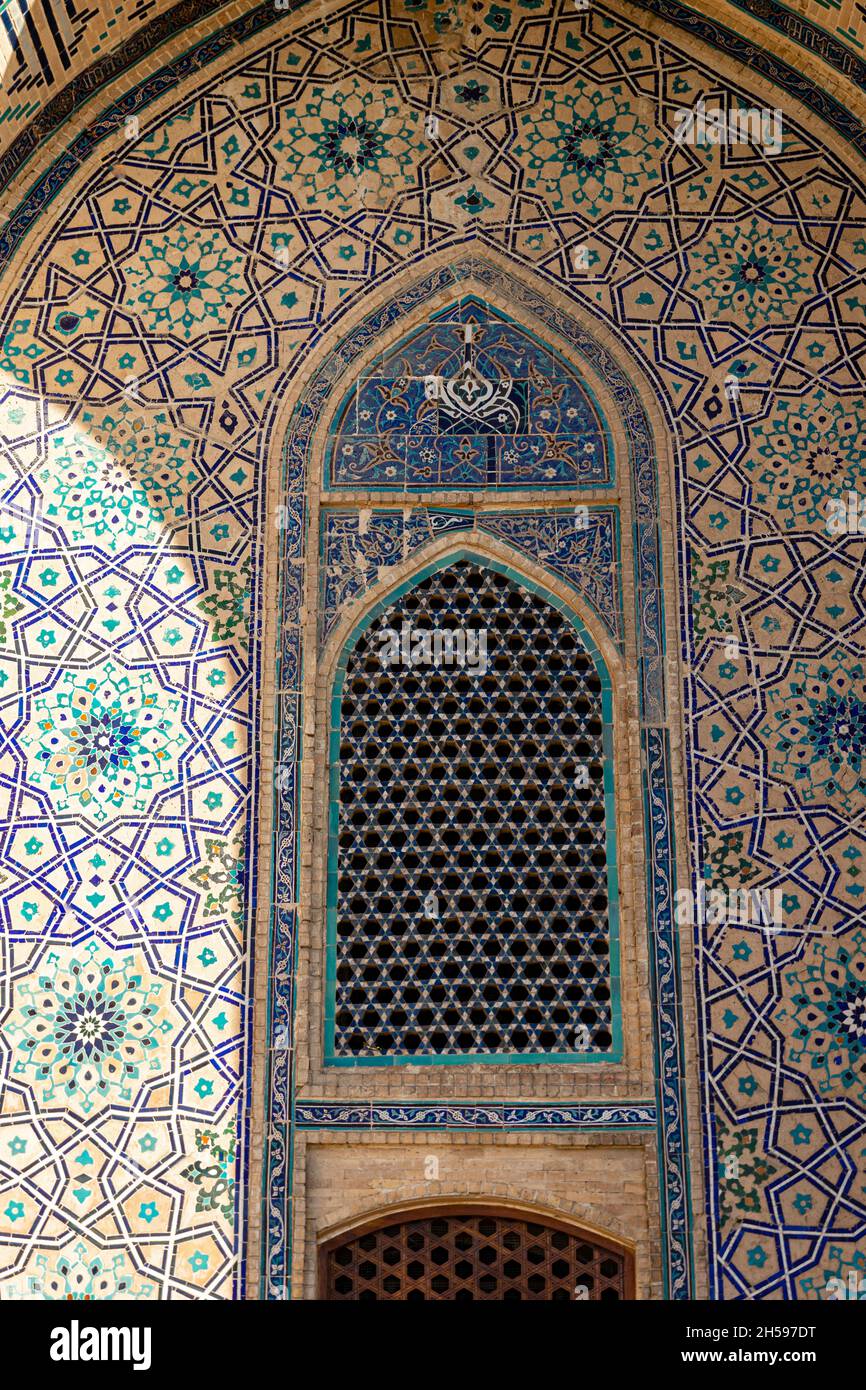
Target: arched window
x,y
472,883
473,1255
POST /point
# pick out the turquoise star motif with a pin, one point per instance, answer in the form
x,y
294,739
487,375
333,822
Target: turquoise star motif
x,y
116,477
184,281
85,1025
817,730
589,149
345,133
103,741
752,272
823,1015
809,450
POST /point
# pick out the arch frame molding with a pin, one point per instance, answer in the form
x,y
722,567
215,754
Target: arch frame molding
x,y
284,859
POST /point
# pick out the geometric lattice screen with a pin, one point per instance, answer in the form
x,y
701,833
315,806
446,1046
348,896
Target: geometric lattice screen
x,y
473,1258
471,916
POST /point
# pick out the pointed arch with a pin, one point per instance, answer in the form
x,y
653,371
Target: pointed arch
x,y
471,398
382,537
567,753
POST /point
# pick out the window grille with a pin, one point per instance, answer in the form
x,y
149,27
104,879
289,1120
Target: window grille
x,y
473,1257
472,912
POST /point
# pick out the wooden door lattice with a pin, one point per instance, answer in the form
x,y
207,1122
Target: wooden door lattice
x,y
472,1257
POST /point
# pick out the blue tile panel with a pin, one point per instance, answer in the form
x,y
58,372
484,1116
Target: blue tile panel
x,y
471,401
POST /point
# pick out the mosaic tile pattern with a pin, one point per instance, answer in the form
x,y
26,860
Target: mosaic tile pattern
x,y
579,545
129,572
43,44
56,57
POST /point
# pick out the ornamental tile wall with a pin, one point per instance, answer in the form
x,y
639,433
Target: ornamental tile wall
x,y
158,320
53,58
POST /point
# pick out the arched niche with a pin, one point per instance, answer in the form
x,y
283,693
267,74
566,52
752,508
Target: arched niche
x,y
342,550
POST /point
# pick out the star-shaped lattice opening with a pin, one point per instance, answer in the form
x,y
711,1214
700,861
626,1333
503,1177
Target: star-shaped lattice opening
x,y
472,889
